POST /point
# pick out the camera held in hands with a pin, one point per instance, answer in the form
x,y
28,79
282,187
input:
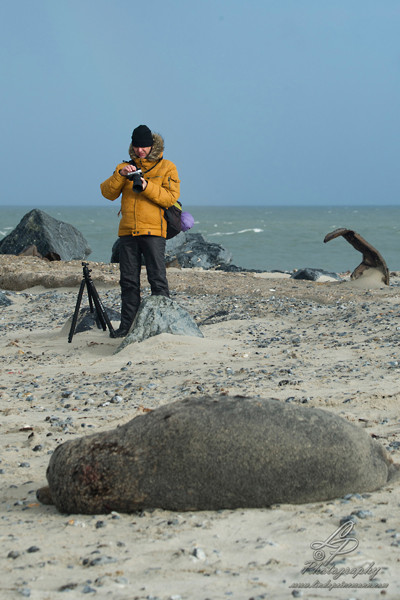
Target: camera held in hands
x,y
136,178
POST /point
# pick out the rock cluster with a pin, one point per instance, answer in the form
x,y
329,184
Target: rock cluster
x,y
189,250
192,250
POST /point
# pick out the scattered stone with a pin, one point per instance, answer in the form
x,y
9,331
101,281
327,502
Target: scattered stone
x,y
99,560
67,587
4,299
351,518
88,590
362,514
199,553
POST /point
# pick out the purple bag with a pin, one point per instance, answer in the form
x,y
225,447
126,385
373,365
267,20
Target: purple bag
x,y
177,220
187,221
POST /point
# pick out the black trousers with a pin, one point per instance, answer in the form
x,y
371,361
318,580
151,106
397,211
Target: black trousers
x,y
132,248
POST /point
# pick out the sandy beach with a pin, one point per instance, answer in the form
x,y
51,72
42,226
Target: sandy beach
x,y
329,345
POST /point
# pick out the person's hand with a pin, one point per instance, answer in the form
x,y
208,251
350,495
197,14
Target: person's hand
x,y
127,169
144,183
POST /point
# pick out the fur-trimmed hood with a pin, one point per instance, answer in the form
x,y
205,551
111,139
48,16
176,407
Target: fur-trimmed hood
x,y
156,151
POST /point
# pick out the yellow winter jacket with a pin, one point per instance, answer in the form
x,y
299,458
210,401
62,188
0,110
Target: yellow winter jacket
x,y
143,213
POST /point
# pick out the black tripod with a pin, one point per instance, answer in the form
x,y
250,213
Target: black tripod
x,y
93,298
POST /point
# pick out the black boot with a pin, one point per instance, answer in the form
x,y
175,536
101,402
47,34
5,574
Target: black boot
x,y
120,332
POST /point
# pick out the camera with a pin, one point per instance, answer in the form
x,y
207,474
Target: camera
x,y
136,178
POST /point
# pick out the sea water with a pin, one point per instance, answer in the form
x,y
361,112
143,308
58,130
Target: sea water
x,y
264,237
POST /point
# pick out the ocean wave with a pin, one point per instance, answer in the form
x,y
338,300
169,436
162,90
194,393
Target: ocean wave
x,y
5,231
253,230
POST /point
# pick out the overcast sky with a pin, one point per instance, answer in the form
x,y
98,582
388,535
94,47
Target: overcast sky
x,y
263,102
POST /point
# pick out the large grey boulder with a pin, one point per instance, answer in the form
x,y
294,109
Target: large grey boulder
x,y
215,453
158,314
48,235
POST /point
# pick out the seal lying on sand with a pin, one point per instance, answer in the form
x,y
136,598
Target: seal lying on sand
x,y
207,454
372,259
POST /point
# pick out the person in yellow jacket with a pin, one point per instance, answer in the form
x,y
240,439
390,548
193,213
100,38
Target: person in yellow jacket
x,y
143,228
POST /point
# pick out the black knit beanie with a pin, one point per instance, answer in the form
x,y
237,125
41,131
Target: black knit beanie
x,y
142,137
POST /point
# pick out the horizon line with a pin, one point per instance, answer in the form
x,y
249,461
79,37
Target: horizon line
x,y
80,205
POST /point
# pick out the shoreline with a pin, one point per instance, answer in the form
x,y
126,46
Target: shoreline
x,y
328,345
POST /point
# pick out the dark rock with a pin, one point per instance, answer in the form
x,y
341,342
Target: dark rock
x,y
158,314
4,299
235,269
115,252
67,587
87,589
314,274
48,235
215,453
348,518
100,524
192,250
362,514
99,560
88,320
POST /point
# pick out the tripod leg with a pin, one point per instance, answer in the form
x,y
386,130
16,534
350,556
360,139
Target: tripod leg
x,y
76,312
89,292
100,310
92,300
